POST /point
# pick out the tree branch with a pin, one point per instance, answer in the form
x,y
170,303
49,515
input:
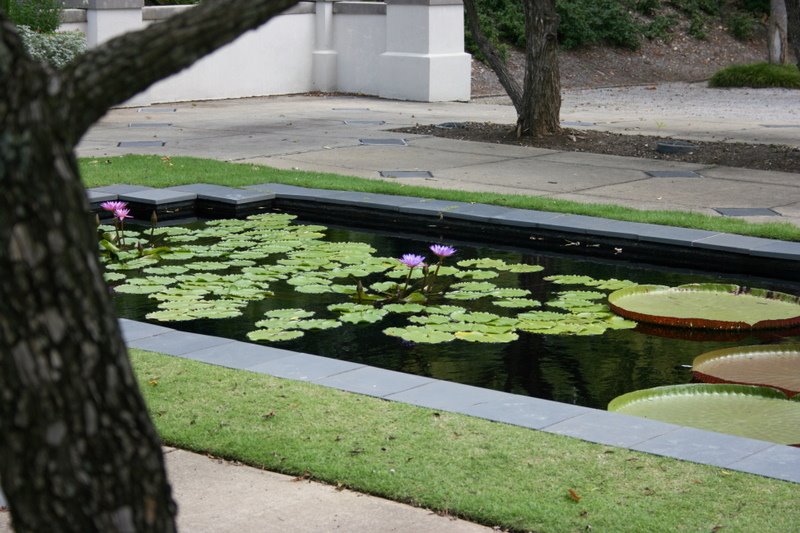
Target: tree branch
x,y
512,87
121,68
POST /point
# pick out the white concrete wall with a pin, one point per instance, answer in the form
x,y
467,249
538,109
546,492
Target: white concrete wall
x,y
404,49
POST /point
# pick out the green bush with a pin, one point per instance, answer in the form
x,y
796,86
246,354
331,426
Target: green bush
x,y
647,7
741,25
57,49
587,22
661,27
38,15
697,26
757,75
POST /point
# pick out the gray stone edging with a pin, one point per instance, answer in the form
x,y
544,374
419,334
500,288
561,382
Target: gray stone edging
x,y
593,425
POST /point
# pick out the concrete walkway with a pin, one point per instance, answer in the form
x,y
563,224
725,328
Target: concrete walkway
x,y
323,134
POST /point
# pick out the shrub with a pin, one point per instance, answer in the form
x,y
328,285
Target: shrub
x,y
587,22
57,49
757,75
38,15
741,25
661,27
647,7
697,26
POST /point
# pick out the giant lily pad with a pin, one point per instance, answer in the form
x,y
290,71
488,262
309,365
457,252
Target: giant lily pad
x,y
748,411
707,306
771,365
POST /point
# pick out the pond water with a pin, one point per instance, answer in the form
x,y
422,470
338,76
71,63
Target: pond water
x,y
587,370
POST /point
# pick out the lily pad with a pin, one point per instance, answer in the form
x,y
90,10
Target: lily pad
x,y
707,306
420,334
744,410
775,366
274,335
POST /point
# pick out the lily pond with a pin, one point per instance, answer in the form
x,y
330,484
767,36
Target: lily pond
x,y
516,321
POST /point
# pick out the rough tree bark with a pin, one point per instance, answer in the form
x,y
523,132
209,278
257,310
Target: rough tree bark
x,y
777,35
538,101
78,451
793,25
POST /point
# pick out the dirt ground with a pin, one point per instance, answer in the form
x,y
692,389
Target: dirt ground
x,y
682,59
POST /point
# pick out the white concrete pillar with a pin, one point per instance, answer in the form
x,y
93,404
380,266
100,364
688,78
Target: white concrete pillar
x,y
324,55
108,18
424,58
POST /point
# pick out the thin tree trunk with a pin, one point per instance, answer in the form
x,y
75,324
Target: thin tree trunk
x,y
493,56
78,451
777,36
793,25
542,93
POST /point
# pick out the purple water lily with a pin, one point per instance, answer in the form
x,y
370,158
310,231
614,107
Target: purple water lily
x,y
412,260
442,251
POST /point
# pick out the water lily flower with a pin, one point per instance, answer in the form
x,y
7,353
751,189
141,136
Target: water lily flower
x,y
121,213
412,260
113,205
441,250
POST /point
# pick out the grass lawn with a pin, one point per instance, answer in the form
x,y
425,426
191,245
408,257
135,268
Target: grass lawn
x,y
158,171
486,472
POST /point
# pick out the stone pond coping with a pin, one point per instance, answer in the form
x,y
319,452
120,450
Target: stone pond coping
x,y
593,425
261,196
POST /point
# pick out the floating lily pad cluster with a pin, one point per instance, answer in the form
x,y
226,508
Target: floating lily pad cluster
x,y
215,271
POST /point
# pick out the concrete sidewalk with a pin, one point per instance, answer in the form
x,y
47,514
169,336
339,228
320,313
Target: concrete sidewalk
x,y
216,496
324,134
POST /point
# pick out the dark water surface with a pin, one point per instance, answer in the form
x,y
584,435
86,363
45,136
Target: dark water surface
x,y
582,370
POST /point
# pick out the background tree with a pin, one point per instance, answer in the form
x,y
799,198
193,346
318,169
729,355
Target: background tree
x,y
793,25
78,451
777,34
538,101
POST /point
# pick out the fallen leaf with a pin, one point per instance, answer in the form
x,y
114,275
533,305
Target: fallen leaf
x,y
574,496
303,477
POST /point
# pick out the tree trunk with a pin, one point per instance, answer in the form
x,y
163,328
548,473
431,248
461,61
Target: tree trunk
x,y
793,25
78,451
777,36
538,101
542,93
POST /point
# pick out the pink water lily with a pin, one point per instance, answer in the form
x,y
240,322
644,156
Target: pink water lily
x,y
114,205
122,213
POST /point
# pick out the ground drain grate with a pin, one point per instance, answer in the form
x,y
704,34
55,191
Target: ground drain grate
x,y
384,142
365,122
406,173
577,123
140,144
156,110
672,174
149,124
746,212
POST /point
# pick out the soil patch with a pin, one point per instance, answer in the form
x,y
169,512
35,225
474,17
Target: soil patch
x,y
744,155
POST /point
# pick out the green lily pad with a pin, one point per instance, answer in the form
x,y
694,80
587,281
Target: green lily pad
x,y
517,303
404,308
476,274
289,313
371,316
420,334
483,263
707,306
478,336
747,411
775,366
520,268
113,276
274,335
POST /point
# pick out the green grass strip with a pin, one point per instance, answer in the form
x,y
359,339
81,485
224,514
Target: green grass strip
x,y
155,171
486,472
758,75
